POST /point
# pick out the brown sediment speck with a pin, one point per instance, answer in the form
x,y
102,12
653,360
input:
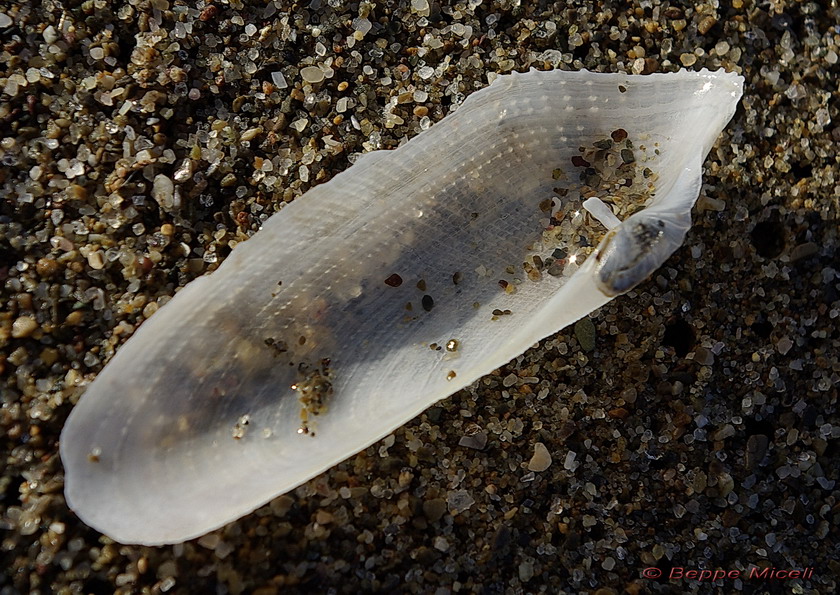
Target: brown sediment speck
x,y
394,280
619,135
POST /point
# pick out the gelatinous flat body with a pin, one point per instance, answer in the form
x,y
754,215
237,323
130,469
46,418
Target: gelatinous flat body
x,y
400,281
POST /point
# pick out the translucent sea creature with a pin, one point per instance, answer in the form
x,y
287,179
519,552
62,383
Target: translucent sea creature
x,y
403,279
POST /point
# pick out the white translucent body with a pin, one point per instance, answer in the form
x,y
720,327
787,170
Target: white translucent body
x,y
151,451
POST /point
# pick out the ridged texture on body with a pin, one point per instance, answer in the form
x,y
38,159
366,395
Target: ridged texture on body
x,y
195,421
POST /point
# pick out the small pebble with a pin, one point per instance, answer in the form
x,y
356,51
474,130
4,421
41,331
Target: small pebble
x,y
585,333
163,191
476,441
75,318
96,260
23,327
210,541
50,34
541,459
312,74
688,59
705,24
279,80
459,501
251,134
47,267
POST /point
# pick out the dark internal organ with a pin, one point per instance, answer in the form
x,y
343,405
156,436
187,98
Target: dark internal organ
x,y
307,339
314,391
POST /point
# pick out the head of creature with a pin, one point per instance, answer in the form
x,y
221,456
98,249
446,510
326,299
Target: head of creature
x,y
633,250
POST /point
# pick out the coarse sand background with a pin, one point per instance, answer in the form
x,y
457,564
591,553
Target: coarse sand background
x,y
688,424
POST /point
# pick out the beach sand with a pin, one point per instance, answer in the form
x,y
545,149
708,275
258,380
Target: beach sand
x,y
696,431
